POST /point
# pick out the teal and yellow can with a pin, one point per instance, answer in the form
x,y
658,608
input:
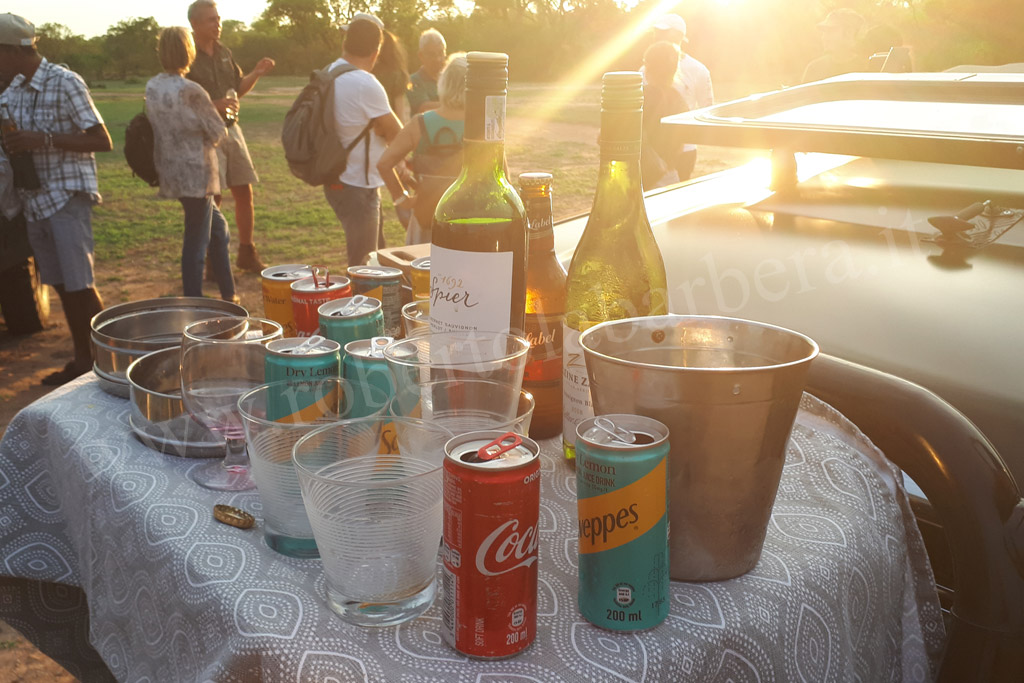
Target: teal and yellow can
x,y
622,505
351,319
364,365
383,283
301,362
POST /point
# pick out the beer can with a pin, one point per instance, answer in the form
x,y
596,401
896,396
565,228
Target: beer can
x,y
351,318
622,505
384,284
491,514
300,362
364,365
277,293
309,293
419,277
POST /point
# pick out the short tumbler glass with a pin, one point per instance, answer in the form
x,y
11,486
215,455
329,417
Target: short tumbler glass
x,y
376,516
306,406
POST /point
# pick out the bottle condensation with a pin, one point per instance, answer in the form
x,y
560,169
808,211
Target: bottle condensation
x,y
617,270
545,308
478,236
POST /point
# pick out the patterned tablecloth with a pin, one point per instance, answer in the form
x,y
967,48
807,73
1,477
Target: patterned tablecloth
x,y
843,590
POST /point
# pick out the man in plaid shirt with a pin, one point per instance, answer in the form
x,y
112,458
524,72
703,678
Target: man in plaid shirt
x,y
59,126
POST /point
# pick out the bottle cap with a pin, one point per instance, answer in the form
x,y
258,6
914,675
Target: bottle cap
x,y
487,71
534,179
622,91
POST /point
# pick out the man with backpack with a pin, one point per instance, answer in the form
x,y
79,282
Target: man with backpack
x,y
364,123
58,126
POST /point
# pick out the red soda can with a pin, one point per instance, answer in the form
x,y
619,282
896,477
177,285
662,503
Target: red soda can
x,y
310,292
491,513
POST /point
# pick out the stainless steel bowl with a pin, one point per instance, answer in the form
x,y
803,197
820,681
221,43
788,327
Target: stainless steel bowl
x,y
122,333
158,417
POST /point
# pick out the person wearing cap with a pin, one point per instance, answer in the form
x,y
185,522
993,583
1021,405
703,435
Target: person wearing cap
x,y
365,123
840,37
422,93
692,81
216,70
59,124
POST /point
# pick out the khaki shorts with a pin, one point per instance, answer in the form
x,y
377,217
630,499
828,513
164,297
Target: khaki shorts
x,y
235,163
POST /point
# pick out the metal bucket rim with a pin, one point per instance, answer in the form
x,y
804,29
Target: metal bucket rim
x,y
112,314
150,357
811,355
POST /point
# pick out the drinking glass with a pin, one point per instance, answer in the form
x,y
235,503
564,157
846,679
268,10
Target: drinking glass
x,y
416,317
467,405
376,516
457,355
221,359
306,406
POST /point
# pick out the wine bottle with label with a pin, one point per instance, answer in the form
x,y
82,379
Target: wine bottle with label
x,y
617,270
545,308
478,236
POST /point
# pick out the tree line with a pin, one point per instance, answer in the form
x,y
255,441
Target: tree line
x,y
766,42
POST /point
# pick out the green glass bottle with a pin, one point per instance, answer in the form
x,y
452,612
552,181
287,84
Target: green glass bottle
x,y
478,237
617,270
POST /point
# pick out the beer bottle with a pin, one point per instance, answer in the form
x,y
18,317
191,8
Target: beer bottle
x,y
23,166
545,306
617,270
478,236
231,117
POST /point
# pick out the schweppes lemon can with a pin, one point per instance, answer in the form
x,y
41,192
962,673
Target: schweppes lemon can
x,y
300,364
622,504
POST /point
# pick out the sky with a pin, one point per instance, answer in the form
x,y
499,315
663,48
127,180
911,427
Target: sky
x,y
94,18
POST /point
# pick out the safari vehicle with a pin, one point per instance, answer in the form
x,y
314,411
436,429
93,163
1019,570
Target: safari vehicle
x,y
884,221
24,300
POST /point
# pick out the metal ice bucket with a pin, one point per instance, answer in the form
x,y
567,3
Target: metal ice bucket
x,y
728,390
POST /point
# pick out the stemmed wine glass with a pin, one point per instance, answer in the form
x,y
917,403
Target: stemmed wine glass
x,y
221,359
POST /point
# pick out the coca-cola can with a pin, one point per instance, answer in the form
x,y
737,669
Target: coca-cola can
x,y
491,512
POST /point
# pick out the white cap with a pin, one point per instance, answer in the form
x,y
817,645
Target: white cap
x,y
671,22
364,16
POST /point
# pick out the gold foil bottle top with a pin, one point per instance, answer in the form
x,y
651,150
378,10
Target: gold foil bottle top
x,y
622,91
487,71
535,184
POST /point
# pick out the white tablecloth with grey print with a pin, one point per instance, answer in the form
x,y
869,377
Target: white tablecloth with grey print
x,y
843,590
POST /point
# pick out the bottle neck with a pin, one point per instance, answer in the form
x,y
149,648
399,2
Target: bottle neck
x,y
618,179
540,234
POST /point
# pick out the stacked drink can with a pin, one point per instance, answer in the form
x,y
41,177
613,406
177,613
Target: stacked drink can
x,y
302,362
277,293
308,294
384,284
351,319
364,365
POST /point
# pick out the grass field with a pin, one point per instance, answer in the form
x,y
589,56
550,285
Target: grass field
x,y
293,221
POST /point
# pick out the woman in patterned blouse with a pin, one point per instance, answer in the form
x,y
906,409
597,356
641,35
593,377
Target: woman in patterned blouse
x,y
187,127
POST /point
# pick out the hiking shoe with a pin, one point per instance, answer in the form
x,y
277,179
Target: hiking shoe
x,y
249,258
235,299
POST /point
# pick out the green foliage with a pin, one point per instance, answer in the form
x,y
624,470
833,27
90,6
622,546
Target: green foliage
x,y
130,46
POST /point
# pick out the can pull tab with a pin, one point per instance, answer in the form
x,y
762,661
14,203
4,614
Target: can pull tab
x,y
308,345
322,271
502,444
377,345
353,306
613,430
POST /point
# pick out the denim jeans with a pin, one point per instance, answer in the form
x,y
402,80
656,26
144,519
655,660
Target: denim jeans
x,y
205,227
358,209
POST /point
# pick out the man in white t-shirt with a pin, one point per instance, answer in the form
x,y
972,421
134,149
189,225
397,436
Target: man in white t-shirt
x,y
361,108
692,80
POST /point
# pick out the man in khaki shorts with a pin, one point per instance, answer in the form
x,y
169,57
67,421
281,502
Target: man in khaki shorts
x,y
215,69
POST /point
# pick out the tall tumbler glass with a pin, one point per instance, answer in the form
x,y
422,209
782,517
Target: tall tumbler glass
x,y
467,405
421,359
307,406
376,516
221,359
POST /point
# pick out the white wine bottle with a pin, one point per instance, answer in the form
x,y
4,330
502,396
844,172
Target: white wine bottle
x,y
617,270
478,236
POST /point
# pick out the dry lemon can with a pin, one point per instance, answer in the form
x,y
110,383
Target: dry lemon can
x,y
622,504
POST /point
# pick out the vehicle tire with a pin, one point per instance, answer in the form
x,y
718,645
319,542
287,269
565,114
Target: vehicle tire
x,y
24,300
